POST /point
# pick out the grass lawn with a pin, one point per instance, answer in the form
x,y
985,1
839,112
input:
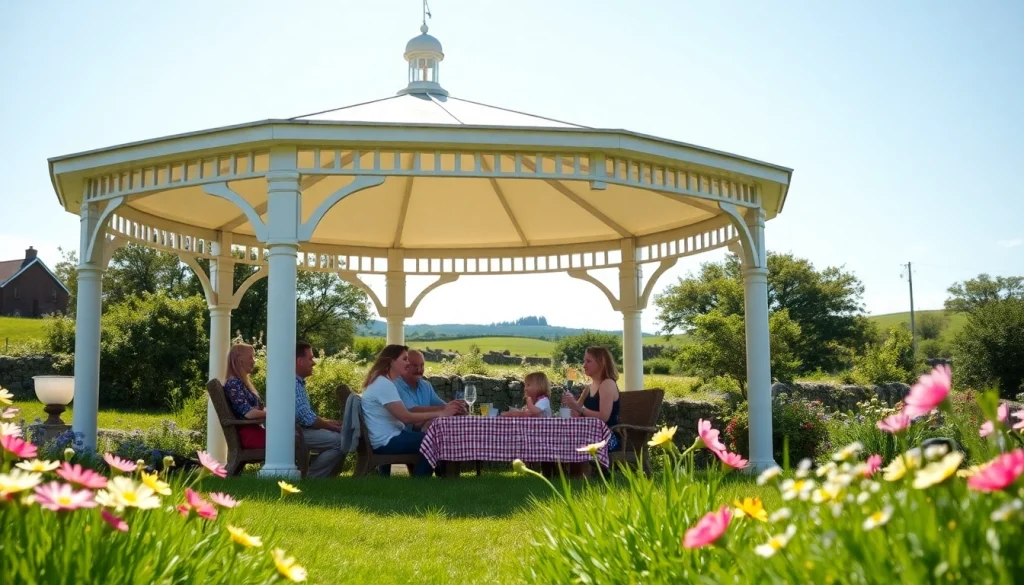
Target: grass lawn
x,y
108,419
405,530
20,330
525,346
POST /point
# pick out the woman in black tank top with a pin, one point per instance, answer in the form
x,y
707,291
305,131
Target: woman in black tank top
x,y
601,400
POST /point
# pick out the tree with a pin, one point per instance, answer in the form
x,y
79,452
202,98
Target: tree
x,y
825,304
570,349
990,348
718,347
970,295
135,269
930,325
890,361
66,271
329,310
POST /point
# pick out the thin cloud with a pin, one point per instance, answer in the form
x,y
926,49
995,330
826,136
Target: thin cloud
x,y
1014,243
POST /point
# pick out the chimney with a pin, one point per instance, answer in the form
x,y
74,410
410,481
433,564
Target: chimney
x,y
30,255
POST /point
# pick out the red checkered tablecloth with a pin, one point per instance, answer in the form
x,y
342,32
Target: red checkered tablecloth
x,y
477,438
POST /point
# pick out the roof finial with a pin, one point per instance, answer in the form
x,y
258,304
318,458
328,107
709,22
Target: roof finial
x,y
426,14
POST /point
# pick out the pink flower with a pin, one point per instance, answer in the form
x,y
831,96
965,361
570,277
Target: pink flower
x,y
999,473
115,522
212,464
873,464
709,436
86,478
9,412
1002,413
122,465
894,424
223,500
709,529
929,392
58,496
195,501
734,460
17,446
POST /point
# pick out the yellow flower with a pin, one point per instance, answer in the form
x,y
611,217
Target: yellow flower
x,y
288,568
663,436
241,537
123,493
18,481
153,482
900,465
519,466
592,448
775,543
751,507
38,466
938,471
287,488
6,397
879,518
970,471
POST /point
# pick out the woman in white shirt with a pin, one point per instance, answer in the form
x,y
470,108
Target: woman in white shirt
x,y
386,416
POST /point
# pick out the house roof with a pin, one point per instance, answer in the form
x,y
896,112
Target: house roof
x,y
11,269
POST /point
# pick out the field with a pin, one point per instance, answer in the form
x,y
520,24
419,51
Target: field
x,y
108,419
516,345
953,326
18,330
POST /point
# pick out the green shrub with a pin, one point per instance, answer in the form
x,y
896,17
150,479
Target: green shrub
x,y
329,372
463,365
990,348
801,422
570,349
153,350
933,348
366,349
890,361
193,413
659,365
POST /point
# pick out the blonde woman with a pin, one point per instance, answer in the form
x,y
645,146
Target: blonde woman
x,y
601,399
242,396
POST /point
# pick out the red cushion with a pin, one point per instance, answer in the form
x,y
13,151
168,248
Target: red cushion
x,y
253,437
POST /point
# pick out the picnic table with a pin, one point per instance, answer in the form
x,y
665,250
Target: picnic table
x,y
457,439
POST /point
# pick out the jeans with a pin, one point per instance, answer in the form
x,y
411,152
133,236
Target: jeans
x,y
405,442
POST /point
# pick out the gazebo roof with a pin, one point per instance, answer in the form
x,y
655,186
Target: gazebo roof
x,y
454,176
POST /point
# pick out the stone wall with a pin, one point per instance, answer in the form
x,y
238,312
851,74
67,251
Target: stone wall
x,y
16,372
494,358
438,355
843,398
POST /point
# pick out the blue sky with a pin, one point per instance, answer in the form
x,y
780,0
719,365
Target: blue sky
x,y
904,121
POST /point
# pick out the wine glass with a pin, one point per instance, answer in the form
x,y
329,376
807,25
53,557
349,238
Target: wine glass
x,y
470,396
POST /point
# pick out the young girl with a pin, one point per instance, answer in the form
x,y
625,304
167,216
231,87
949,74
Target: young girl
x,y
537,392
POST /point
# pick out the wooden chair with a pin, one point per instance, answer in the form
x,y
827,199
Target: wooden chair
x,y
638,419
238,456
366,460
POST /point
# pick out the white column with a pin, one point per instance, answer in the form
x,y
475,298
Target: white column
x,y
87,327
282,229
632,350
759,371
87,352
630,280
220,342
395,295
396,330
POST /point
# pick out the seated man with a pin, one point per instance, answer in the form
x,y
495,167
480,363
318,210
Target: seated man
x,y
320,434
418,394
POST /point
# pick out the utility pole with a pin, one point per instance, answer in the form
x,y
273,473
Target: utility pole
x,y
913,331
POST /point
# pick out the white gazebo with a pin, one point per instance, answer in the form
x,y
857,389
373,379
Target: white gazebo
x,y
417,185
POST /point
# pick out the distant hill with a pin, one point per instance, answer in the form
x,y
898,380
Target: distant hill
x,y
455,331
953,326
